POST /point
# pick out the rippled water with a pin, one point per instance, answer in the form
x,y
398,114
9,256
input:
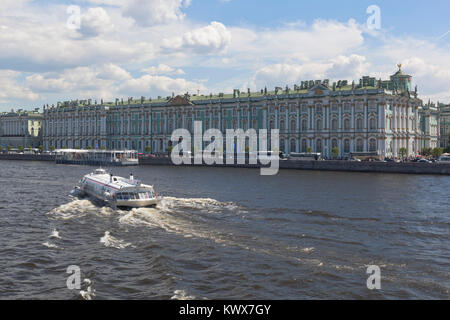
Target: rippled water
x,y
225,233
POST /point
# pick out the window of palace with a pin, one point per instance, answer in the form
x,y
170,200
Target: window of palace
x,y
304,125
319,124
359,145
293,125
334,124
347,124
319,146
304,145
346,146
372,145
372,124
359,124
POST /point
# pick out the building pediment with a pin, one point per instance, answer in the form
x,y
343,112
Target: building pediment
x,y
318,90
179,101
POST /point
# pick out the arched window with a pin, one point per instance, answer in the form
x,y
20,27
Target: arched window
x,y
293,125
304,145
282,125
282,144
347,124
304,125
334,124
359,145
372,145
334,143
372,124
319,146
319,124
346,146
359,124
293,146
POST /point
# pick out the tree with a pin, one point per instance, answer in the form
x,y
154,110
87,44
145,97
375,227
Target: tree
x,y
20,148
426,152
52,148
447,150
41,148
403,152
89,148
148,149
335,152
309,150
170,148
437,152
1,148
8,148
30,147
103,148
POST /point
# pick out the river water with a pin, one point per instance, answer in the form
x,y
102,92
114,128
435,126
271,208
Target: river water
x,y
226,233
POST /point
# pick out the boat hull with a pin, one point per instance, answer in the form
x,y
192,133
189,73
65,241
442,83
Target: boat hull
x,y
137,203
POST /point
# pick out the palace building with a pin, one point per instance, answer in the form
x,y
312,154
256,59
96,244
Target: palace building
x,y
369,116
20,128
444,115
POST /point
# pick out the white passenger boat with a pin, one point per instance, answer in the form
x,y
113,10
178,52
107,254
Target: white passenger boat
x,y
117,191
97,157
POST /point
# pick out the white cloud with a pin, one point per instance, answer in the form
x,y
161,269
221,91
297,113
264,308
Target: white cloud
x,y
11,89
95,22
162,69
151,84
342,67
322,40
213,38
148,13
111,71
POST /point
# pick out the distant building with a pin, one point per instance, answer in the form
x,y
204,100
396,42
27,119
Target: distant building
x,y
444,111
20,128
373,116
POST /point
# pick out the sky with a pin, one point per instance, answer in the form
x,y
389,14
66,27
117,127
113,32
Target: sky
x,y
63,50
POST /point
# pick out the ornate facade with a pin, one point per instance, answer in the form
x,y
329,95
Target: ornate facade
x,y
20,128
374,115
444,115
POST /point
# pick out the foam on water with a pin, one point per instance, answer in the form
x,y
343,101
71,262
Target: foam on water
x,y
89,293
181,295
78,208
50,245
109,241
55,234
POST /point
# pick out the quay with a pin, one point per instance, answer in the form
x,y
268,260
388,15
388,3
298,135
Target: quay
x,y
27,157
329,165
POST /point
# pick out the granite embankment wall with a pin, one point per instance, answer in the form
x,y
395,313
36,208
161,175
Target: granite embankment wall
x,y
27,157
349,166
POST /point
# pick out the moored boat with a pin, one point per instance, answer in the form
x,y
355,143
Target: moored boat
x,y
117,191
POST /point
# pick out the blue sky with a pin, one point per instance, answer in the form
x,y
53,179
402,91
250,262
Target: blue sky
x,y
136,48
